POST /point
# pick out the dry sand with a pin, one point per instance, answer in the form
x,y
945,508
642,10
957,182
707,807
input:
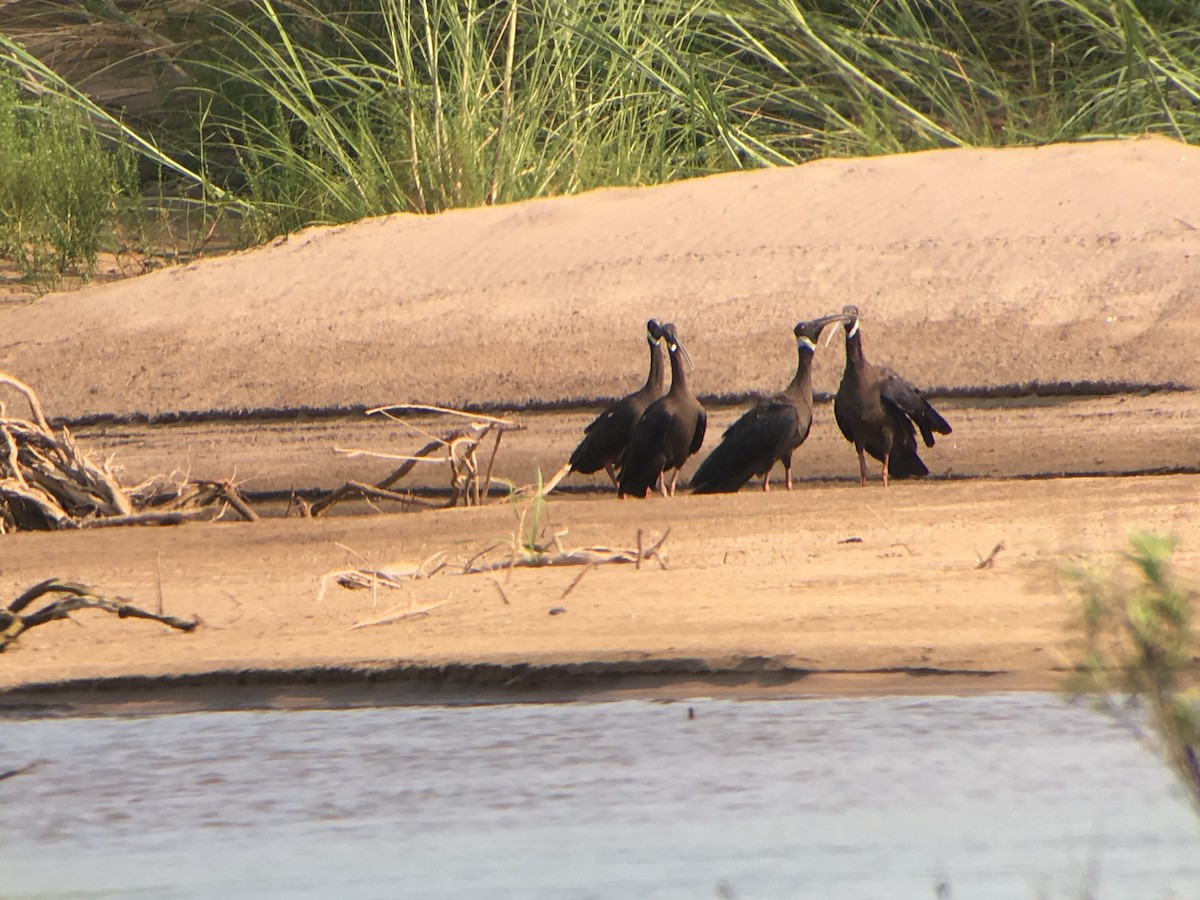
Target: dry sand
x,y
994,278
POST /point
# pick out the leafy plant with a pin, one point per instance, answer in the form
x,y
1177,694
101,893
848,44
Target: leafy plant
x,y
1140,647
528,540
59,189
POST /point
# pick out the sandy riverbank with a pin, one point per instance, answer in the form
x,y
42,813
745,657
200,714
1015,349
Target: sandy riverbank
x,y
976,271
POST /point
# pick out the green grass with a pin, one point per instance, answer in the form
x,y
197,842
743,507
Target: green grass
x,y
283,115
60,192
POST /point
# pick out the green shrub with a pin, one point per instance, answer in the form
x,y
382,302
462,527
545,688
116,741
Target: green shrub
x,y
60,191
1139,642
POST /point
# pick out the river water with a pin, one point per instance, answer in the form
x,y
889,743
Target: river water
x,y
994,796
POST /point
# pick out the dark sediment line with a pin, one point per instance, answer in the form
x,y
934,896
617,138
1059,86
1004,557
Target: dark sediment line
x,y
405,684
431,493
1013,391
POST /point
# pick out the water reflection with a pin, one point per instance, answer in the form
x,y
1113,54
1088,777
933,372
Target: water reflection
x,y
1002,796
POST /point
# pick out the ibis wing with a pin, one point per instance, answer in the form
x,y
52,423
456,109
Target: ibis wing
x,y
643,460
750,446
605,438
698,435
905,398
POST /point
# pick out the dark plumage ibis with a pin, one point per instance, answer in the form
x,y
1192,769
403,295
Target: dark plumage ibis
x,y
877,410
770,431
671,430
605,439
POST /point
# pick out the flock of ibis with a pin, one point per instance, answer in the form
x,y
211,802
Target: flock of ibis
x,y
644,439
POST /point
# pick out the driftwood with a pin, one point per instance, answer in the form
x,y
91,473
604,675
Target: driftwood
x,y
68,597
393,616
542,557
392,575
529,555
47,483
458,451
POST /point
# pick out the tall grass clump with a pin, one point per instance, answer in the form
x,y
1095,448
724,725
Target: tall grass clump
x,y
314,111
1140,648
422,106
856,78
61,192
337,113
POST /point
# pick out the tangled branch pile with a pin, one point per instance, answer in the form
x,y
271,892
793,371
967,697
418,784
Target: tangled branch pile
x,y
469,482
47,483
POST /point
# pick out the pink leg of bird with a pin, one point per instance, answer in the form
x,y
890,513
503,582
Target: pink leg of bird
x,y
766,485
608,467
787,472
886,455
862,465
674,478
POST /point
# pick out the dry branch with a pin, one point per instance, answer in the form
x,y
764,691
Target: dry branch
x,y
48,483
393,575
152,517
31,397
990,560
398,575
580,556
458,446
70,596
390,617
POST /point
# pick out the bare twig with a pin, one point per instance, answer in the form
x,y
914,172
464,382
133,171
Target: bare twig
x,y
991,557
500,589
230,493
479,417
392,575
579,556
173,517
409,465
158,582
352,488
31,397
578,578
70,596
389,618
356,452
907,548
486,550
556,478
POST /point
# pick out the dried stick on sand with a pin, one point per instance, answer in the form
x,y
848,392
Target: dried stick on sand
x,y
990,560
579,556
390,617
69,597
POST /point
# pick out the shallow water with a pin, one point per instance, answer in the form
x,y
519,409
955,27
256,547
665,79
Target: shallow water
x,y
996,796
